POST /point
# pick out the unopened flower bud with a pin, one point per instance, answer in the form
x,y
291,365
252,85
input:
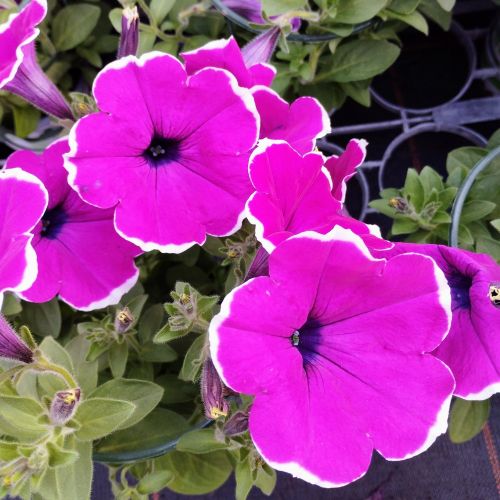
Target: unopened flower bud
x,y
64,405
11,346
261,48
399,204
212,392
123,320
236,424
129,38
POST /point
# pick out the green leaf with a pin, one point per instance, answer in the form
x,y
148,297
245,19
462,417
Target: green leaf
x,y
115,17
154,481
357,11
359,91
266,479
415,19
59,457
117,356
244,480
430,180
160,9
85,371
159,427
441,217
73,24
446,4
404,6
195,474
193,360
277,7
99,417
165,334
72,481
463,157
361,59
175,390
475,210
151,322
447,196
496,224
432,10
8,451
465,237
155,353
413,189
200,441
43,319
144,395
467,418
26,120
383,207
489,246
20,417
11,305
56,353
404,226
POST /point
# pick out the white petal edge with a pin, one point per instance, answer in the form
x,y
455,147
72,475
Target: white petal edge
x,y
31,269
19,50
111,299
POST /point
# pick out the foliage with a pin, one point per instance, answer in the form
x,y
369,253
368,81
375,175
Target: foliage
x,y
421,208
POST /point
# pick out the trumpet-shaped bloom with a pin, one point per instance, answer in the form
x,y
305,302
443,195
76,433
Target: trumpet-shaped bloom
x,y
24,200
293,193
226,54
81,258
11,346
334,345
472,349
20,72
343,167
168,151
299,123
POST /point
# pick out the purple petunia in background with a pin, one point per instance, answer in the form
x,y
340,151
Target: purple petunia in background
x,y
20,72
81,258
472,349
334,345
24,200
163,148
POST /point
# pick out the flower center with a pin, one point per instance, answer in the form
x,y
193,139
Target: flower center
x,y
52,222
460,286
295,338
162,151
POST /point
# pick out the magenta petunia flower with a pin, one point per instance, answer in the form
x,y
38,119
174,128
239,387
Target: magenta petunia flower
x,y
24,200
333,346
343,167
169,151
472,349
20,72
293,193
226,54
299,123
81,258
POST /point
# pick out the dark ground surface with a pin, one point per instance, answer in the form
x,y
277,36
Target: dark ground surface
x,y
431,71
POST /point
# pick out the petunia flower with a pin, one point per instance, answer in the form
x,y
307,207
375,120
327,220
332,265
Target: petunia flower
x,y
64,405
299,123
23,202
293,193
20,72
472,349
226,54
343,167
81,258
334,346
169,151
11,346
